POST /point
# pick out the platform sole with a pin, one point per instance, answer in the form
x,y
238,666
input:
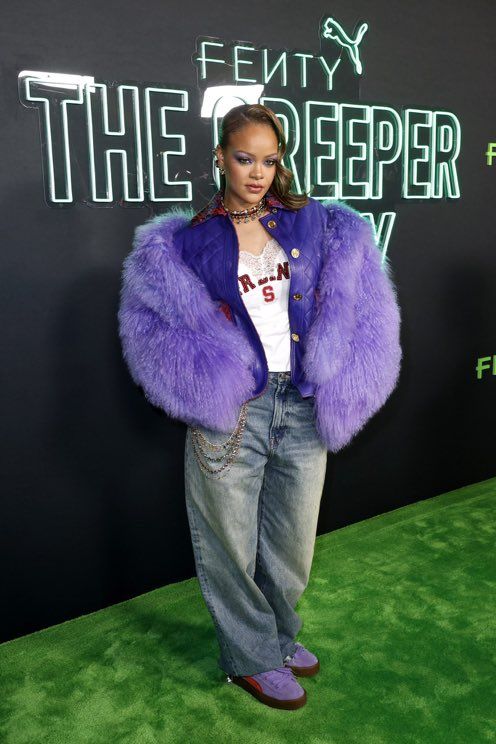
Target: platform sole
x,y
305,671
267,699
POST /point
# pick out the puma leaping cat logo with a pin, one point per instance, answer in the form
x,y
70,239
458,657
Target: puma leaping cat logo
x,y
331,29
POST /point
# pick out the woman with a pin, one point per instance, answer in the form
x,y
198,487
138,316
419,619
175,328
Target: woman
x,y
269,325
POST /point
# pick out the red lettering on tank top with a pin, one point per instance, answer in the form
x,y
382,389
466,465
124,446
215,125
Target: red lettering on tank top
x,y
268,293
283,270
246,282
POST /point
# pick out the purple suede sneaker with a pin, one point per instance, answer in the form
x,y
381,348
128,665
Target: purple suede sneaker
x,y
302,662
277,688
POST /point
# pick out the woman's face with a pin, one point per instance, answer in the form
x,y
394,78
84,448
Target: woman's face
x,y
250,158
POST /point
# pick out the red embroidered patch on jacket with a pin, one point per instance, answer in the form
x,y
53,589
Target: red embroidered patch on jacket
x,y
226,310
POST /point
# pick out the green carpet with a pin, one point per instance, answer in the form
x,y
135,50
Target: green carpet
x,y
400,610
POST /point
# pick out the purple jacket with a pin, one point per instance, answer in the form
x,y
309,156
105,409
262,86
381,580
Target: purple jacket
x,y
191,345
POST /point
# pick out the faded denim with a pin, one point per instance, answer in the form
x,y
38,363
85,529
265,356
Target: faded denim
x,y
253,529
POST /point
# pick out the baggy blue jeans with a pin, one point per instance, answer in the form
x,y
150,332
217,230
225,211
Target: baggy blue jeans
x,y
253,528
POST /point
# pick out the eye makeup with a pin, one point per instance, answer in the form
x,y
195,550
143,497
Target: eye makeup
x,y
251,155
240,157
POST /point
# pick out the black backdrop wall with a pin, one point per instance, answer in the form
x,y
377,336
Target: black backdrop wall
x,y
92,475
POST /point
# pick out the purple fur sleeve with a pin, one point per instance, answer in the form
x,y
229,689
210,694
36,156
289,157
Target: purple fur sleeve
x,y
353,351
190,360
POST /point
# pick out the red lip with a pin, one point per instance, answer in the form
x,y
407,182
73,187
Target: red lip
x,y
255,186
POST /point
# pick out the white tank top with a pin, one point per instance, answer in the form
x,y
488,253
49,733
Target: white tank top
x,y
263,283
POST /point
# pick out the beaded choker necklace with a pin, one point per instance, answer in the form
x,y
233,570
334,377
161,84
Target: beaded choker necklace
x,y
245,214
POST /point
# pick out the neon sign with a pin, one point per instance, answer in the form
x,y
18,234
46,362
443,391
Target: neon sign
x,y
147,142
485,363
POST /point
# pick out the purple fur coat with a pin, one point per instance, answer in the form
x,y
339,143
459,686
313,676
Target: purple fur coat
x,y
194,363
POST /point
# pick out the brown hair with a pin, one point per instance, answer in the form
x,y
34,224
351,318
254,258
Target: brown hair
x,y
248,113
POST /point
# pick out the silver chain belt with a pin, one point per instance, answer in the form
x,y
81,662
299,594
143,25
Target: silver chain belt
x,y
203,448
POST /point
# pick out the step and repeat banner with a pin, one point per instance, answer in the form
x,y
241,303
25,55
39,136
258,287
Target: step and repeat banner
x,y
109,116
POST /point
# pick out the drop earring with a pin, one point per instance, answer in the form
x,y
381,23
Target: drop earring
x,y
222,171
